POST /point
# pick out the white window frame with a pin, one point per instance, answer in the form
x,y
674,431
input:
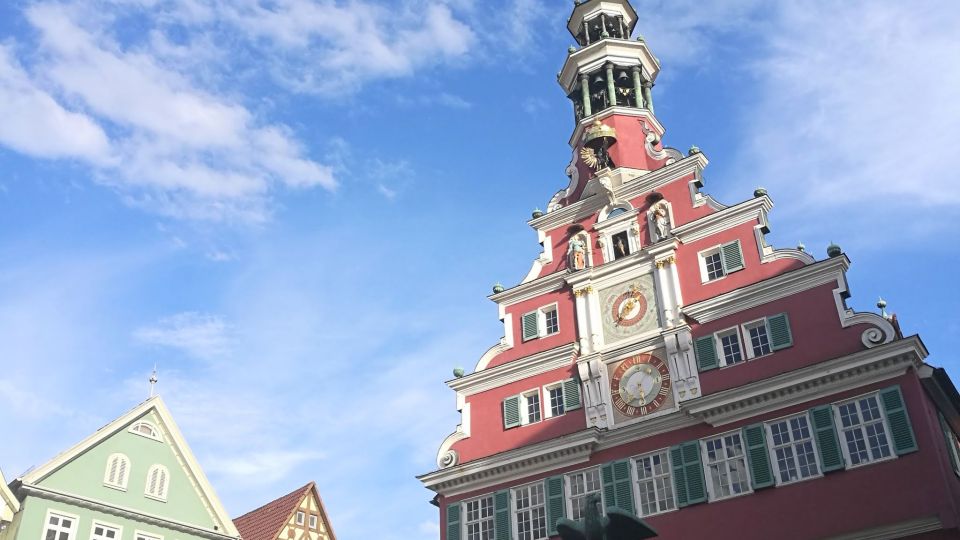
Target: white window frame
x,y
702,258
635,473
97,523
525,406
568,489
301,517
465,522
547,405
771,449
607,229
718,343
141,535
841,431
312,522
708,478
71,531
153,436
122,484
163,488
541,321
746,343
514,511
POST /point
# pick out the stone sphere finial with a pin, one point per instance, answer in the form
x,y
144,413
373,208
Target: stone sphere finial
x,y
694,149
497,288
571,49
537,213
760,191
458,372
801,247
833,250
881,303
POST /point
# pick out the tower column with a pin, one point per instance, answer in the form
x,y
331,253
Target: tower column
x,y
585,94
647,95
637,86
611,90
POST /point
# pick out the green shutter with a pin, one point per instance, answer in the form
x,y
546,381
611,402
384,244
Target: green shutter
x,y
948,437
780,335
761,475
831,458
903,440
732,256
706,353
511,412
501,515
609,486
571,394
688,474
555,504
531,328
453,521
623,485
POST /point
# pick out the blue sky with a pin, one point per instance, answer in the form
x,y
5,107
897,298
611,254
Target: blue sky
x,y
296,208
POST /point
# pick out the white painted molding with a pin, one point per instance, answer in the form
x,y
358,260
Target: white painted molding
x,y
446,456
545,258
530,289
534,364
750,210
493,351
620,52
809,383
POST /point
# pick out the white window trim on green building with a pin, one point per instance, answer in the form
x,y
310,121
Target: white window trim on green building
x,y
118,530
158,483
58,529
146,429
142,535
117,472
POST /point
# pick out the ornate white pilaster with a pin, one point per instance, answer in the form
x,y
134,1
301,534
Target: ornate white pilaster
x,y
683,363
668,284
594,404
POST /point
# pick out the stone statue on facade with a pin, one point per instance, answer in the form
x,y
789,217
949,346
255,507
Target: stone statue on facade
x,y
577,253
660,219
616,525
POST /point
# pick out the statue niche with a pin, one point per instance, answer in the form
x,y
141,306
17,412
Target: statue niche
x,y
577,256
660,221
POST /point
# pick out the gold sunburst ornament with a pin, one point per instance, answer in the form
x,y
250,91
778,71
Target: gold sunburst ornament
x,y
589,157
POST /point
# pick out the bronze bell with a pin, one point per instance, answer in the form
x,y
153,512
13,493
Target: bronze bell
x,y
598,80
623,77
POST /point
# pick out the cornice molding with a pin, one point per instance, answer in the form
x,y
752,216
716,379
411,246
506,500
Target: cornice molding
x,y
126,513
750,210
769,290
530,289
620,52
514,370
586,121
808,383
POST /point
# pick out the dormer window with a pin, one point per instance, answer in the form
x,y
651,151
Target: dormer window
x,y
118,467
145,429
158,483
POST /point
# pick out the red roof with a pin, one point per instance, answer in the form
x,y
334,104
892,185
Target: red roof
x,y
265,522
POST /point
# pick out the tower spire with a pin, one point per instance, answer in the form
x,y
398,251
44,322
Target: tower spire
x,y
153,380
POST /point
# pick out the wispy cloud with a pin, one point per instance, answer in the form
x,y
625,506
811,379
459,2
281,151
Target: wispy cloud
x,y
197,334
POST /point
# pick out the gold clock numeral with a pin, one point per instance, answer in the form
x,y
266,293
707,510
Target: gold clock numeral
x,y
619,402
631,411
664,390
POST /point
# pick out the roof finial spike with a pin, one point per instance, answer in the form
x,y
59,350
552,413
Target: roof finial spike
x,y
882,304
153,380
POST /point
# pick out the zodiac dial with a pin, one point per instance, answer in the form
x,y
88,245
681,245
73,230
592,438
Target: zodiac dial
x,y
628,309
640,385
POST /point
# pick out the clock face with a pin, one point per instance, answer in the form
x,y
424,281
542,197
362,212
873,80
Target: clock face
x,y
628,308
640,385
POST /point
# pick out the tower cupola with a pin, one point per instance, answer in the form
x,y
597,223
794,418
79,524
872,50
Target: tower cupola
x,y
594,20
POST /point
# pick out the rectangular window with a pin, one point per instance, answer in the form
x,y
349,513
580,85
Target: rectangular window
x,y
556,400
713,264
530,512
792,449
102,531
655,484
313,522
726,466
579,485
756,334
300,516
863,433
729,345
144,536
531,402
479,522
550,320
621,245
60,526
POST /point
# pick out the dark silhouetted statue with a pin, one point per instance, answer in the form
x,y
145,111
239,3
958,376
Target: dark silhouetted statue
x,y
616,525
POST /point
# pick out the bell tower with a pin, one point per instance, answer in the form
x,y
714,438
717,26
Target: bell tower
x,y
608,78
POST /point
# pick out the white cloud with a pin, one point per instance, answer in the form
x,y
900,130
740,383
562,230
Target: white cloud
x,y
34,123
197,334
263,467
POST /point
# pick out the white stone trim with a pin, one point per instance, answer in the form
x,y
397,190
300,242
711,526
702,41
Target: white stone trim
x,y
107,525
9,504
809,383
495,377
529,290
620,52
545,258
748,211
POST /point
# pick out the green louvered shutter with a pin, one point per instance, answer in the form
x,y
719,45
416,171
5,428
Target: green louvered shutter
x,y
501,515
761,475
623,485
531,328
831,458
511,412
732,256
555,505
780,335
948,438
609,487
688,474
706,353
902,431
453,521
571,394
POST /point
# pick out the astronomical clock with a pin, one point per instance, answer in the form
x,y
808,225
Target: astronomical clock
x,y
629,309
640,385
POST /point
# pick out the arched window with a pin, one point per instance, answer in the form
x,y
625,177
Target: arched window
x,y
146,429
158,482
118,467
616,212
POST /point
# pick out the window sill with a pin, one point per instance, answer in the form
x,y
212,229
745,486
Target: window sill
x,y
116,487
655,514
800,481
711,499
154,497
891,457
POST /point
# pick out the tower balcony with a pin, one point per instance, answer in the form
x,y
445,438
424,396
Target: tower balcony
x,y
594,20
609,73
